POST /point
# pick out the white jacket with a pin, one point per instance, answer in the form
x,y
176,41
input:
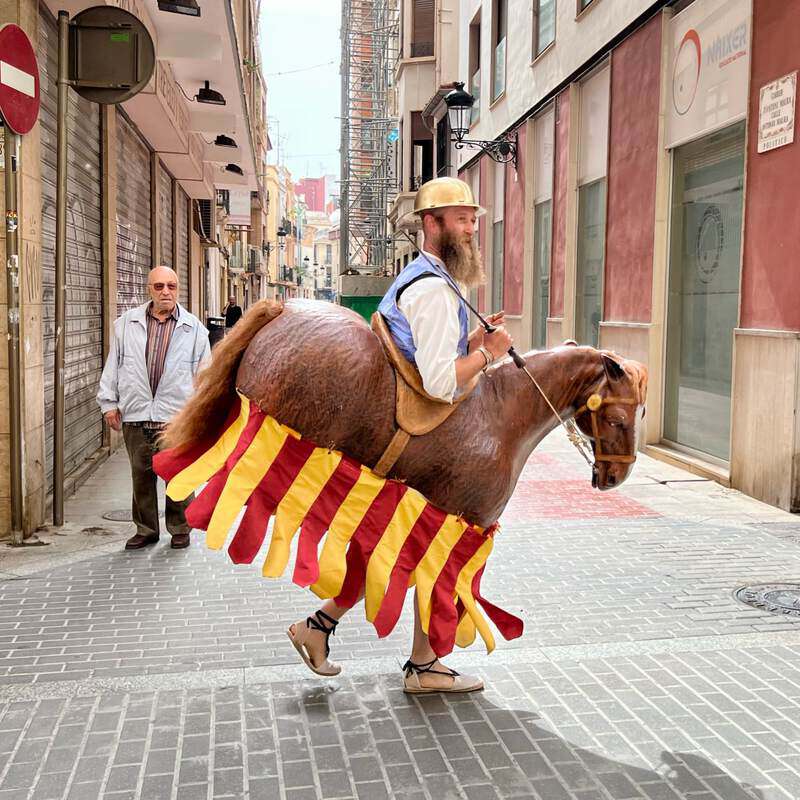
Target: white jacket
x,y
125,383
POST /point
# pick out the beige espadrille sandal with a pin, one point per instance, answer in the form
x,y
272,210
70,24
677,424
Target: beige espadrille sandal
x,y
461,683
298,634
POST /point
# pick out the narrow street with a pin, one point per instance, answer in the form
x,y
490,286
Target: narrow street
x,y
167,674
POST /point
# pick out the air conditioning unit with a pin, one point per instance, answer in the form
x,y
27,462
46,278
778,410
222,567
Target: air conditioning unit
x,y
224,200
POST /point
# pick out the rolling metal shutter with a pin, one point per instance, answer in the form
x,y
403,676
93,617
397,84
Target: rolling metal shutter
x,y
165,225
182,227
84,291
134,255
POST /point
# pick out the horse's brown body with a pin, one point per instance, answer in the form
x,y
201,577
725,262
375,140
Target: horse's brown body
x,y
319,369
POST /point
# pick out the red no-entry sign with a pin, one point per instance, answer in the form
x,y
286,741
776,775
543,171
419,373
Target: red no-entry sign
x,y
19,79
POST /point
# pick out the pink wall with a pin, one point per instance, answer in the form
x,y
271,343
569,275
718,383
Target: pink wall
x,y
632,157
770,284
514,232
314,191
482,239
559,205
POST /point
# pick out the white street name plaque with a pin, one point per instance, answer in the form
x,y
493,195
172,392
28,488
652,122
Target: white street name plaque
x,y
776,113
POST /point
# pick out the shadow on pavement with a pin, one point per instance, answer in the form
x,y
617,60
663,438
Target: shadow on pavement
x,y
466,746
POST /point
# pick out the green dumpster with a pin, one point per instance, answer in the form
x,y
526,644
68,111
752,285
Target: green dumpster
x,y
363,293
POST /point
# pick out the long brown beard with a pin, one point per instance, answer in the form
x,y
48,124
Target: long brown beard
x,y
462,259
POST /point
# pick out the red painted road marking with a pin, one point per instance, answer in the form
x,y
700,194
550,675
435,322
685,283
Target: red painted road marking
x,y
569,500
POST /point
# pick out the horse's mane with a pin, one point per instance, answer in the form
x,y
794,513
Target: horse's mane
x,y
215,387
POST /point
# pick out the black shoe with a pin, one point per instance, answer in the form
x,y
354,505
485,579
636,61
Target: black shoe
x,y
179,541
141,540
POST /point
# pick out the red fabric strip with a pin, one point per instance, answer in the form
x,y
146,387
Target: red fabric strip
x,y
319,518
265,498
199,513
419,538
444,615
252,529
168,463
508,625
363,542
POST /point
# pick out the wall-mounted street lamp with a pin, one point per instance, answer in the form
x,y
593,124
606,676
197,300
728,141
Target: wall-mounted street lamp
x,y
210,96
187,7
459,109
282,238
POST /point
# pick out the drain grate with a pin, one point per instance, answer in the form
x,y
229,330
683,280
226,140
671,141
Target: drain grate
x,y
778,598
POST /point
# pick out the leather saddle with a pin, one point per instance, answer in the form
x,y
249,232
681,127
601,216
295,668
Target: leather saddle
x,y
416,412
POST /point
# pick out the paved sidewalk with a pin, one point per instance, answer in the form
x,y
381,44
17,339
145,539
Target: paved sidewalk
x,y
167,674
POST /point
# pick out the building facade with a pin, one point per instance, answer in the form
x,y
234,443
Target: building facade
x,y
649,210
145,181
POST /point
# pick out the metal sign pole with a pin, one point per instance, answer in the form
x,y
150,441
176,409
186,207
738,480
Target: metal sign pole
x,y
12,166
61,269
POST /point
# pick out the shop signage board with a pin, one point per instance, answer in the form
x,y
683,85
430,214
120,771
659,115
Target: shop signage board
x,y
19,80
709,68
776,113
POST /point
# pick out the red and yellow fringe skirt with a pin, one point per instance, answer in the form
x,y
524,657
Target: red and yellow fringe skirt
x,y
380,536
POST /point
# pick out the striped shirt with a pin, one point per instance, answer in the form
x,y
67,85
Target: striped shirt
x,y
159,335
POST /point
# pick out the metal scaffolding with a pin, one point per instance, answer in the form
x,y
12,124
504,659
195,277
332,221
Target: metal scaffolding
x,y
370,48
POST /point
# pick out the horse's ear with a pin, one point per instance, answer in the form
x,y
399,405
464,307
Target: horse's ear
x,y
570,343
613,368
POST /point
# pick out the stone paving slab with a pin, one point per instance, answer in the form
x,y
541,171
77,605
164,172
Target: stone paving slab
x,y
571,582
167,674
709,725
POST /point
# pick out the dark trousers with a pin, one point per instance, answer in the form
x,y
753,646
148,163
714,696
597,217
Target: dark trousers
x,y
142,445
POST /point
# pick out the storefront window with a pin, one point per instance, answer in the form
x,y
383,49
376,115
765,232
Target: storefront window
x,y
591,256
542,235
705,252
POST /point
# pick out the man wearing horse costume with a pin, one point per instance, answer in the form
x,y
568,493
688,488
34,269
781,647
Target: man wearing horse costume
x,y
388,449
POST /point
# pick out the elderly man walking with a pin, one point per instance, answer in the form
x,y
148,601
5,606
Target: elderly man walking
x,y
156,351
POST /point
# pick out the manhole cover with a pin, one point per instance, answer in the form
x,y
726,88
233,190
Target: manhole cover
x,y
779,598
124,515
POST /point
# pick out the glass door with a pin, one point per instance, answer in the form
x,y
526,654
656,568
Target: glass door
x,y
703,303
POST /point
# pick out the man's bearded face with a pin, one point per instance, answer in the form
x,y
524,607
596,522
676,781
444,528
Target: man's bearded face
x,y
460,254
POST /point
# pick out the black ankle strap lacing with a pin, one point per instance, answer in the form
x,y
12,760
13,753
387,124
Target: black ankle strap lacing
x,y
317,623
410,668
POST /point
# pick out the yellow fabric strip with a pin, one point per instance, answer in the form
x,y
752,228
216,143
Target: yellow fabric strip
x,y
385,554
198,472
465,633
464,591
332,561
433,561
243,478
297,502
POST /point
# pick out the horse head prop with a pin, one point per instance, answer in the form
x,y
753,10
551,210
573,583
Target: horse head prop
x,y
610,419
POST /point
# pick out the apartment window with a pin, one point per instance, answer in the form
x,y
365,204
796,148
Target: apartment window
x,y
475,67
544,25
498,236
499,29
328,253
543,132
422,151
583,4
592,163
422,22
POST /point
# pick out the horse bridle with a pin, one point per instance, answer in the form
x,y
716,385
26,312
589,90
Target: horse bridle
x,y
593,405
